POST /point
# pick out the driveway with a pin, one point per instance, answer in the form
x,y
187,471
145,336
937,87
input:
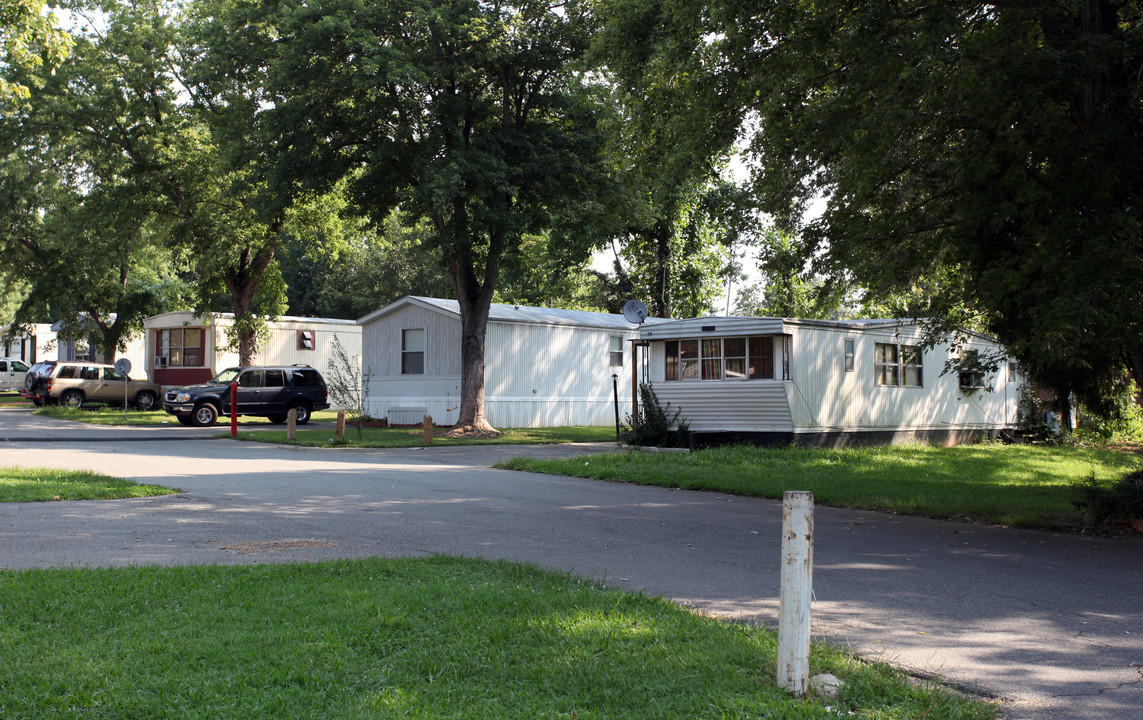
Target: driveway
x,y
1050,623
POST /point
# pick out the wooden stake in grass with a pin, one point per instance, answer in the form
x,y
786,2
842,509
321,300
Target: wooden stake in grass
x,y
292,424
428,430
796,591
340,425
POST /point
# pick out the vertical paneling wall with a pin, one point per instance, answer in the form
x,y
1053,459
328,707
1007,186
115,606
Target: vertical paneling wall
x,y
823,395
535,375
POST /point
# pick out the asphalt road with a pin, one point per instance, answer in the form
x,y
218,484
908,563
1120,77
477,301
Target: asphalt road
x,y
1050,623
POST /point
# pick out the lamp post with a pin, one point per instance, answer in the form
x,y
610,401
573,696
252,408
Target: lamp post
x,y
615,391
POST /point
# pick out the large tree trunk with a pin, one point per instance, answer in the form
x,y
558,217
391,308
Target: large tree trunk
x,y
241,282
475,300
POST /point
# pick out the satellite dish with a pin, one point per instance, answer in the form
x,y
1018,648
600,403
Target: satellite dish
x,y
123,365
635,312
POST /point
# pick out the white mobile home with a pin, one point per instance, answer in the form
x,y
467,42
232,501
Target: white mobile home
x,y
184,348
542,367
775,380
40,341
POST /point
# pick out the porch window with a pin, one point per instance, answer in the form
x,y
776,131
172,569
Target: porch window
x,y
689,359
761,358
735,358
179,347
734,352
897,365
413,351
712,359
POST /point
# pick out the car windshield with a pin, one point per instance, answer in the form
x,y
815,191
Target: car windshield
x,y
226,376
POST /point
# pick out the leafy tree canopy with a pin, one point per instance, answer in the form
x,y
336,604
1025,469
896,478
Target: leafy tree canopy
x,y
992,146
28,38
476,116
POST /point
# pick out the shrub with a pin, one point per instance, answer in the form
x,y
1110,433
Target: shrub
x,y
1103,506
348,386
653,425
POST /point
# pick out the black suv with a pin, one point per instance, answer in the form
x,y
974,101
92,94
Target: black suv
x,y
269,392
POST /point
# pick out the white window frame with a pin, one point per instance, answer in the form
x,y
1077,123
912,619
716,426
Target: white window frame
x,y
902,370
408,353
615,352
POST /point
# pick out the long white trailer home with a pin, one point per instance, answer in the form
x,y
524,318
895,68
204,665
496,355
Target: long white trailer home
x,y
543,367
184,348
775,380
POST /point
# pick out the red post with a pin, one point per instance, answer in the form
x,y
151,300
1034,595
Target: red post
x,y
234,409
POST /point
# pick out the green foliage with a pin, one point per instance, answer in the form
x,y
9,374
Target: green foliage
x,y
346,268
1119,416
29,38
788,287
475,116
1103,506
991,147
654,425
542,275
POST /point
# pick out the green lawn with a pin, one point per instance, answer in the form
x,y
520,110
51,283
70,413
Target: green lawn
x,y
42,484
405,437
102,415
430,638
1019,485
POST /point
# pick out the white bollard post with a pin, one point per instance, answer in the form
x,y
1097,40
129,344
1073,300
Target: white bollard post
x,y
796,591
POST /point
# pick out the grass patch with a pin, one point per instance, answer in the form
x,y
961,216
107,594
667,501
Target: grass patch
x,y
103,415
433,638
12,400
405,437
1018,485
43,484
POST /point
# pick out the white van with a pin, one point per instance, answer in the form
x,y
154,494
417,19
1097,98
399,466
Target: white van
x,y
12,372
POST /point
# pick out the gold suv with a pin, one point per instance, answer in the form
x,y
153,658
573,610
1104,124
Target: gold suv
x,y
73,384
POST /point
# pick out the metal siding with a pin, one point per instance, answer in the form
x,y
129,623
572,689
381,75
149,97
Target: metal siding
x,y
381,342
535,375
439,396
738,405
283,346
821,395
550,376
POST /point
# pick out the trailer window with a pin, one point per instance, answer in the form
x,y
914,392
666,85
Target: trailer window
x,y
616,351
897,365
179,347
413,351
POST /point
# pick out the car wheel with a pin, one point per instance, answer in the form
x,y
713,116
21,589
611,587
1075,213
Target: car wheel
x,y
204,415
72,399
38,402
146,400
301,413
277,418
